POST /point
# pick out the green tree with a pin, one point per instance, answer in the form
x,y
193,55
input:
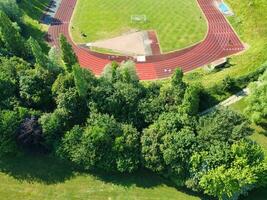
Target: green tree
x,y
72,103
11,37
53,126
222,125
84,80
40,58
63,82
156,136
127,147
35,88
94,149
230,180
10,7
67,53
9,123
257,100
191,100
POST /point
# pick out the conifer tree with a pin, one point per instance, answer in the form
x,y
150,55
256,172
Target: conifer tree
x,y
11,37
67,53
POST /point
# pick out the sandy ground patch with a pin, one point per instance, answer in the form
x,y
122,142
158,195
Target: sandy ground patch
x,y
137,43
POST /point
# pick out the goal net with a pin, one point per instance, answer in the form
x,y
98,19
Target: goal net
x,y
138,18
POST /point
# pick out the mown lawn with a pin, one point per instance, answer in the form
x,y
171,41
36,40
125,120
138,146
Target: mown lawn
x,y
46,178
250,22
178,23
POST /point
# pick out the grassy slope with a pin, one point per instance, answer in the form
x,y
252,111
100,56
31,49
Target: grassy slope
x,y
178,23
41,177
250,22
32,12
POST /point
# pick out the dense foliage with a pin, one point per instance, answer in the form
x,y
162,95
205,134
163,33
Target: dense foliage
x,y
115,123
257,101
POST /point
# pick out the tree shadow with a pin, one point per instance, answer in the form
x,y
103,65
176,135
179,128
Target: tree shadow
x,y
142,178
37,168
256,194
35,9
50,170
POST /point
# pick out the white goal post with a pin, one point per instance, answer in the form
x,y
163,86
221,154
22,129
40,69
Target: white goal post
x,y
138,18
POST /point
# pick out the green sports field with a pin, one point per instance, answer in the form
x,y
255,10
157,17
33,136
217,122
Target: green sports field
x,y
178,23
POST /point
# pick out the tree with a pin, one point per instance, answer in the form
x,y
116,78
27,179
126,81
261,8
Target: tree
x,y
63,82
35,88
230,180
11,38
9,123
191,100
10,7
84,80
94,149
257,100
176,148
177,79
73,104
102,144
222,125
53,126
40,58
125,72
67,53
110,72
30,134
155,135
127,147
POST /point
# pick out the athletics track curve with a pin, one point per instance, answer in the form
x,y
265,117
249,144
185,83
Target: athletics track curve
x,y
221,41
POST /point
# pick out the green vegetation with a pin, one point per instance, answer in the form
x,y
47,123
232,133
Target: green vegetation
x,y
99,19
118,126
245,106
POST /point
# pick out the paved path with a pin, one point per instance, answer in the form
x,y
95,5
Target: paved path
x,y
221,41
231,100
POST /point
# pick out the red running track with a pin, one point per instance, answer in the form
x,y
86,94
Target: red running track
x,y
221,41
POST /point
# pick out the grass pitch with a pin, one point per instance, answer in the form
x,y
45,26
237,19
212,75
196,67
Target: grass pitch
x,y
178,23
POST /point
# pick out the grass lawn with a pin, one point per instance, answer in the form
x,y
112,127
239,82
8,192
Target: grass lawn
x,y
250,22
178,23
45,178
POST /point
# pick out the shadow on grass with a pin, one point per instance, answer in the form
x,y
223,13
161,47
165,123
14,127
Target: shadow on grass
x,y
34,8
50,170
37,168
257,194
142,178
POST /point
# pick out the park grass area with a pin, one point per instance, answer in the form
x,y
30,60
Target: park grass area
x,y
250,22
178,23
43,177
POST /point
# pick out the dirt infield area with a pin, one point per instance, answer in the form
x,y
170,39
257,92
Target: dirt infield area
x,y
135,43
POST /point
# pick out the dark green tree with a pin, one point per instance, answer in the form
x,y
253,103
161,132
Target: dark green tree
x,y
11,37
67,53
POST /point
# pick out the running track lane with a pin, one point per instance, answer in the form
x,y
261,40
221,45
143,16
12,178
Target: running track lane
x,y
221,41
